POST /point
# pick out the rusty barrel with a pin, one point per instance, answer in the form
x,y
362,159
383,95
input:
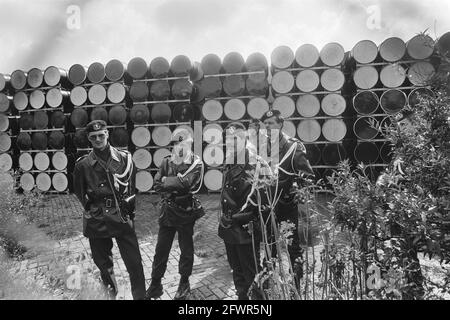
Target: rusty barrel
x,y
333,153
285,105
144,181
313,153
116,92
392,75
309,130
213,179
334,130
420,73
363,129
332,54
6,162
332,79
283,82
159,67
5,102
365,51
161,135
308,105
142,158
233,62
307,80
392,49
35,78
97,94
139,114
54,76
180,66
333,104
78,96
139,91
420,47
160,90
307,55
56,97
212,110
18,79
41,161
183,113
77,74
256,107
96,72
366,152
234,85
99,113
115,70
79,118
137,68
393,101
141,137
211,64
119,137
161,113
37,99
365,77
117,115
282,57
181,89
366,102
159,155
25,161
415,96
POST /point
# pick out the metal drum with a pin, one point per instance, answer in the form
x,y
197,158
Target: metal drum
x,y
80,139
139,114
18,79
234,85
308,105
256,107
332,54
39,141
41,161
115,70
233,62
363,129
365,102
37,99
119,137
333,104
234,109
161,136
139,91
78,96
332,79
289,128
392,75
59,181
161,113
209,88
365,51
180,66
79,118
334,130
416,95
27,181
6,162
25,161
307,55
59,160
23,141
144,181
307,80
116,93
181,89
257,84
159,67
141,136
213,155
137,68
392,49
313,154
420,47
443,44
256,62
212,110
5,81
159,155
420,73
365,77
55,97
54,76
77,74
213,133
285,105
96,72
5,102
142,158
20,101
43,181
393,101
211,64
183,113
366,152
213,180
26,121
386,152
160,90
282,57
35,78
333,153
309,130
283,82
97,94
99,113
117,115
40,120
4,122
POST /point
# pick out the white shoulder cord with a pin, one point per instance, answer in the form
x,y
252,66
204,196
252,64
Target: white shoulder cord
x,y
278,166
193,165
128,169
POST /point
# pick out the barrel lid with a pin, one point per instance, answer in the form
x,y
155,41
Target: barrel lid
x,y
161,112
313,153
161,136
137,68
77,74
308,105
182,89
18,79
413,96
6,162
443,44
213,179
180,65
39,140
159,67
159,155
334,129
23,141
333,153
4,79
160,90
139,91
256,61
366,102
332,79
307,55
363,129
97,94
308,130
59,160
5,142
365,51
420,47
35,77
213,155
392,75
80,139
52,75
256,107
392,49
282,57
41,161
40,120
234,85
332,54
117,115
27,181
257,84
116,93
56,140
57,119
333,104
420,73
285,105
4,122
392,101
211,64
283,81
365,77
20,100
183,113
307,80
213,133
289,128
233,62
59,181
26,121
366,152
144,181
25,161
96,72
142,158
141,136
139,114
210,88
43,181
4,102
78,96
114,70
99,113
79,118
37,99
54,97
212,110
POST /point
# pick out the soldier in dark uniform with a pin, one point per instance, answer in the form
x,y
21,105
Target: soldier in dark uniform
x,y
238,227
179,177
102,180
289,163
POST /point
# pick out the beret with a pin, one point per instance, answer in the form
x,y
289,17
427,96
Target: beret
x,y
95,125
270,114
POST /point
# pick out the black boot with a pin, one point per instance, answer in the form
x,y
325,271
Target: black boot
x,y
155,290
183,291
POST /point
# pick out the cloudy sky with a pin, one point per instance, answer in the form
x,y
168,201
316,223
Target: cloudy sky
x,y
39,33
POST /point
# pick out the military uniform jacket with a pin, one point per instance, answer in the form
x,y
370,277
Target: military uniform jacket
x,y
100,220
178,206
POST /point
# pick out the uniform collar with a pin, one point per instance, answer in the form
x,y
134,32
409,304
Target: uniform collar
x,y
115,158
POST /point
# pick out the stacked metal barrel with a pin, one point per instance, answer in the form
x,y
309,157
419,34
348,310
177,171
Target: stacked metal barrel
x,y
8,127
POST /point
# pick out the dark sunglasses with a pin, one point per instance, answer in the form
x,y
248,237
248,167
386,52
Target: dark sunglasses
x,y
94,137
